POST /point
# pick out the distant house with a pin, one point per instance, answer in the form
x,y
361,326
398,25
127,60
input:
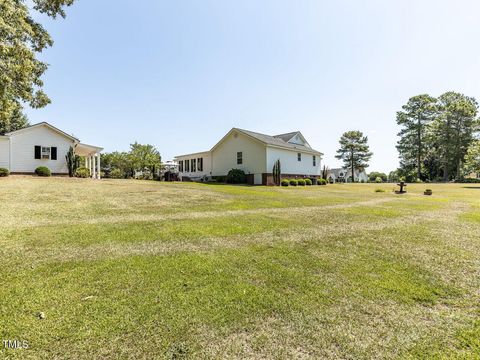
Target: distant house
x,y
255,154
344,175
42,144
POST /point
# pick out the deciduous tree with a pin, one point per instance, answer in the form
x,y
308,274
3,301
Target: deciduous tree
x,y
22,38
145,157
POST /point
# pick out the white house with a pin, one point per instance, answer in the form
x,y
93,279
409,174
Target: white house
x,y
255,154
344,175
42,144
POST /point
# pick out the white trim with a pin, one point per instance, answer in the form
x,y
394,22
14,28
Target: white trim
x,y
192,154
297,150
51,127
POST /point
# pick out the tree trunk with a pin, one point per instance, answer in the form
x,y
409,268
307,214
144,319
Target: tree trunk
x,y
446,175
353,169
419,152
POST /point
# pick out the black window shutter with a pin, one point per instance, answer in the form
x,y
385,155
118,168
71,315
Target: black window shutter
x,y
53,153
38,152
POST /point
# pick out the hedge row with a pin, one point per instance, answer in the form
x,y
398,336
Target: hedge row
x,y
303,182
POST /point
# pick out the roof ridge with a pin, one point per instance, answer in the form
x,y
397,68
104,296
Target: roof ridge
x,y
47,124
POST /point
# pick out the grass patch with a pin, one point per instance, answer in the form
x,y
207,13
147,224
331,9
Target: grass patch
x,y
137,269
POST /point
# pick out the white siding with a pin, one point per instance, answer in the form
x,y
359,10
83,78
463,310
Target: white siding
x,y
23,150
224,156
4,153
290,164
207,165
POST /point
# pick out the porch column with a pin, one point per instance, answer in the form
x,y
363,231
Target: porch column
x,y
98,166
94,168
87,162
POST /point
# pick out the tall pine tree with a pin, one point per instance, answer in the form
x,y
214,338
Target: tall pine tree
x,y
415,119
454,131
354,151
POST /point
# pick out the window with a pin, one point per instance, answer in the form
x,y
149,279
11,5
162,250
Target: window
x,y
200,164
187,165
194,164
314,160
239,158
299,157
180,166
45,153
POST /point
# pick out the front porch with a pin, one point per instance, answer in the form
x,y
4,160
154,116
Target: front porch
x,y
91,154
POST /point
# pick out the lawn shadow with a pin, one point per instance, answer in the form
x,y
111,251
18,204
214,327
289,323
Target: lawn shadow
x,y
472,187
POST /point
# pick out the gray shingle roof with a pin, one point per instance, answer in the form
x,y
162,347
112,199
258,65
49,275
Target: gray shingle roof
x,y
279,141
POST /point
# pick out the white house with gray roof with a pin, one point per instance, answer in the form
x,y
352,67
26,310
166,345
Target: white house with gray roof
x,y
345,175
42,144
255,154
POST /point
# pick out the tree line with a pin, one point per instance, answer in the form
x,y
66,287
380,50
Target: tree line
x,y
144,159
438,137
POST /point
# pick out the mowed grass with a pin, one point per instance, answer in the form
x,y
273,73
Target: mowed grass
x,y
143,270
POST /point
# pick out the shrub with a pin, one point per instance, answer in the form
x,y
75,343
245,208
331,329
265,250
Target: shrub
x,y
4,172
322,182
308,182
285,182
82,172
468,181
116,174
43,171
145,176
293,182
379,190
378,180
220,179
301,182
236,176
428,192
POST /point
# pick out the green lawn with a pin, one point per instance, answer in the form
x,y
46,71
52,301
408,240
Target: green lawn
x,y
142,270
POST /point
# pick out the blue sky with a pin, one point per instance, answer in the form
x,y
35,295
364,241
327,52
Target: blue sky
x,y
180,74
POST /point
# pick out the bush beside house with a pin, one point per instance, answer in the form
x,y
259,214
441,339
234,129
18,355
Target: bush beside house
x,y
43,171
4,172
236,176
82,172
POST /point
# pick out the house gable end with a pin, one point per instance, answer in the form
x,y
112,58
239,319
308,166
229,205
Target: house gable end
x,y
42,125
233,133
